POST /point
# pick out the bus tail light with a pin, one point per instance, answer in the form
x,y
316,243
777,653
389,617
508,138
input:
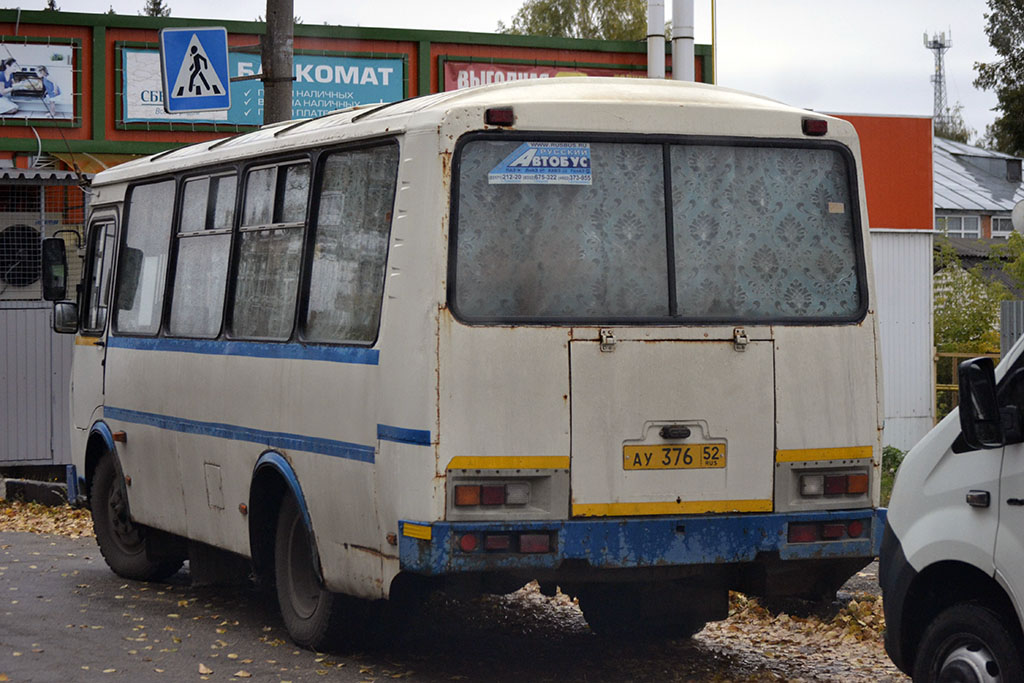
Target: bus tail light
x,y
812,485
855,528
534,543
517,493
506,542
498,542
468,542
803,533
495,495
492,495
857,483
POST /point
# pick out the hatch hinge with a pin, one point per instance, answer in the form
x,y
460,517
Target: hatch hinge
x,y
739,339
607,340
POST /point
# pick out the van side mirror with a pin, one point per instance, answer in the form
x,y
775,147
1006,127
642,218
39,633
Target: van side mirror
x,y
981,422
65,317
55,269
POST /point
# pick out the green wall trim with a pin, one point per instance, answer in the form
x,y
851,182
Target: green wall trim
x,y
88,146
423,85
99,81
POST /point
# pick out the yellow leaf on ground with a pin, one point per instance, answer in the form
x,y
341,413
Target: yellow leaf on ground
x,y
242,674
204,670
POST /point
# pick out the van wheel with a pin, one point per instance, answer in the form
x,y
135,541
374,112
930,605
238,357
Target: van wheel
x,y
122,542
314,616
968,642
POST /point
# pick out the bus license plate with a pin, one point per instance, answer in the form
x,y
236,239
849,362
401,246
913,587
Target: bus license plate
x,y
674,457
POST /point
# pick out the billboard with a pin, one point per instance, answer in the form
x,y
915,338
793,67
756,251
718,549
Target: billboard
x,y
36,81
322,84
465,74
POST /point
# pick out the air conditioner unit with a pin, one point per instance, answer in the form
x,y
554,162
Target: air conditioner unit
x,y
21,235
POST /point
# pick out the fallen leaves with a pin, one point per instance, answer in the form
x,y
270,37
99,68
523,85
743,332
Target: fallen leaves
x,y
42,519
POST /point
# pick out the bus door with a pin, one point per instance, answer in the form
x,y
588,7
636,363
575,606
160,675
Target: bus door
x,y
666,423
87,379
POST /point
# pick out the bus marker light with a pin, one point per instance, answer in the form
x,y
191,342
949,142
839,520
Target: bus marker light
x,y
534,543
857,483
492,495
517,493
468,543
499,116
814,126
803,533
120,437
497,542
467,495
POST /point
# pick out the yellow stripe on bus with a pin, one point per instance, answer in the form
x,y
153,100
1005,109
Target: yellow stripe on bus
x,y
689,507
530,462
87,341
420,531
805,454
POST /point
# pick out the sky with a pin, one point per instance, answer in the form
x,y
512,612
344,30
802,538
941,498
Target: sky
x,y
837,56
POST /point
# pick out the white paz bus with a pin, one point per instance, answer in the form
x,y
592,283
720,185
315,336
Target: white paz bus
x,y
615,335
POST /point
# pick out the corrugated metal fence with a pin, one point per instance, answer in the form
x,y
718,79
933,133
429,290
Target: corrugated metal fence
x,y
35,363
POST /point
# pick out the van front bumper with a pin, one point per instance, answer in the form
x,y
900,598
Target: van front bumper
x,y
437,548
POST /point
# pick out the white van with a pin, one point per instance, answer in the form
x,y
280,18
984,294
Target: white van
x,y
952,561
616,335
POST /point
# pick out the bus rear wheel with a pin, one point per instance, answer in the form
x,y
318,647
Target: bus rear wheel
x,y
315,617
122,542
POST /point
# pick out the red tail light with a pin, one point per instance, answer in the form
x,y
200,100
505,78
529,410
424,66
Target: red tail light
x,y
833,531
469,542
492,495
803,533
855,528
497,542
835,485
534,543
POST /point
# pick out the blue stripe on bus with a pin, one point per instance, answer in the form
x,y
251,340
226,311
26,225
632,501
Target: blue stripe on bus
x,y
213,347
417,437
338,449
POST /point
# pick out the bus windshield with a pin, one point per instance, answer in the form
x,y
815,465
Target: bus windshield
x,y
599,232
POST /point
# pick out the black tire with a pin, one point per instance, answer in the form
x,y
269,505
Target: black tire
x,y
968,642
315,617
122,542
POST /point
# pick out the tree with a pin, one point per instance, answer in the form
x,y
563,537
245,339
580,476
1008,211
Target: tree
x,y
952,126
598,19
156,8
1004,25
966,311
51,6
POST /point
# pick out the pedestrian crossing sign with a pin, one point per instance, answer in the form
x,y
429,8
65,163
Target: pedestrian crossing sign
x,y
194,69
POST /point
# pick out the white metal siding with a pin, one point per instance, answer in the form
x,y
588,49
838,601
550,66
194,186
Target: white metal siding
x,y
903,281
34,375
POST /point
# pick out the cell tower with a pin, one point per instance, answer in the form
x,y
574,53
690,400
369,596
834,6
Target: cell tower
x,y
939,44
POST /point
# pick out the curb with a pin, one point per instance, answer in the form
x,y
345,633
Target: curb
x,y
44,492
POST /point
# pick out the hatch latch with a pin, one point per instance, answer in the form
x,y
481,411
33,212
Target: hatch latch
x,y
739,339
607,340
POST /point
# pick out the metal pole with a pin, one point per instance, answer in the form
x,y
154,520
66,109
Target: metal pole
x,y
682,40
276,52
656,39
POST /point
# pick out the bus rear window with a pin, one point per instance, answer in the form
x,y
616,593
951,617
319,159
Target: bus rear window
x,y
749,233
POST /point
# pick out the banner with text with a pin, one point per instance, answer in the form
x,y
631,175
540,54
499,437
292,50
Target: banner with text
x,y
322,84
466,74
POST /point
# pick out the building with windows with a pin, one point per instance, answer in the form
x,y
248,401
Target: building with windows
x,y
975,190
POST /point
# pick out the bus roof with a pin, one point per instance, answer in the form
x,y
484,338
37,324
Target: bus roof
x,y
367,121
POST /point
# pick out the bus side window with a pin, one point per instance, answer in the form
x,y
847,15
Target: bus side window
x,y
97,289
353,224
140,297
204,244
270,251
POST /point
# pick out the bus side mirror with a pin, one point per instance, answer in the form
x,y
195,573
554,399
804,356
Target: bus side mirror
x,y
980,420
55,269
65,317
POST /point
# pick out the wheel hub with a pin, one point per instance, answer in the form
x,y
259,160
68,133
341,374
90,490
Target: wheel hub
x,y
971,663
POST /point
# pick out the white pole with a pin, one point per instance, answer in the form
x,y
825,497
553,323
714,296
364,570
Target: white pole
x,y
682,40
656,39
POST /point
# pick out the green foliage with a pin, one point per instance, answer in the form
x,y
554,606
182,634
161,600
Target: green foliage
x,y
51,6
953,127
1004,25
156,8
892,458
966,313
598,19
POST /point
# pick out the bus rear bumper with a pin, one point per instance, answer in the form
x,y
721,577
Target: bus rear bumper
x,y
442,548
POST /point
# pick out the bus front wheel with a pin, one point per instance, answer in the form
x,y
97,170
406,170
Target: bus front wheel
x,y
314,616
122,542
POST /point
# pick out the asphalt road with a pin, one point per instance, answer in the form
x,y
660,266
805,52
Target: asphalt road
x,y
64,616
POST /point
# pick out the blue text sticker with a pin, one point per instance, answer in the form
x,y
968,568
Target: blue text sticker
x,y
544,163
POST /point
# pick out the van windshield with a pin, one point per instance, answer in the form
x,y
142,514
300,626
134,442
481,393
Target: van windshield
x,y
553,231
